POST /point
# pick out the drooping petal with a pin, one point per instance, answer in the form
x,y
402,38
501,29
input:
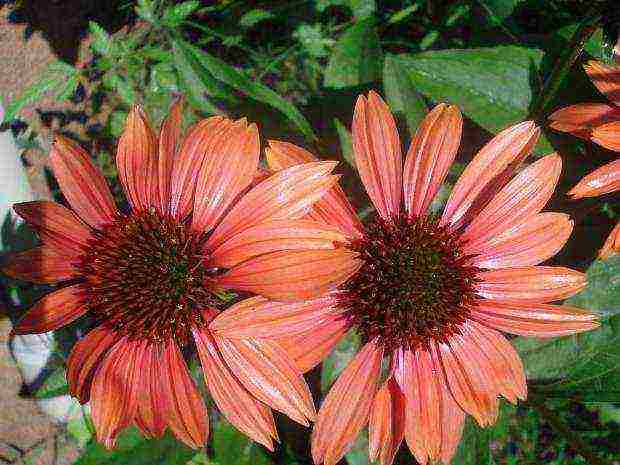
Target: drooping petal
x,y
294,275
524,196
53,311
227,170
452,423
41,265
240,408
386,427
530,242
606,77
169,143
612,244
57,226
258,317
187,164
600,181
502,358
81,183
537,320
430,156
185,410
268,374
282,155
287,194
151,415
608,136
273,236
136,160
580,119
346,407
376,147
487,173
534,284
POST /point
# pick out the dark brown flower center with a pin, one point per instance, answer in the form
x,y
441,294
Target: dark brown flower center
x,y
415,283
145,275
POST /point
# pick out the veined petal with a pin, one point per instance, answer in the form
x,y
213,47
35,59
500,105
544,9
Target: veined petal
x,y
612,244
524,196
529,242
581,118
57,226
240,408
81,183
346,407
136,160
294,275
488,172
169,143
226,171
287,194
187,165
386,427
607,136
537,320
258,317
376,147
273,236
268,374
57,309
430,156
534,284
282,155
452,423
606,77
151,414
41,265
600,181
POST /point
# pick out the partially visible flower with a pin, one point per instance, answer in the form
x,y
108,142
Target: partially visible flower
x,y
433,293
152,279
600,123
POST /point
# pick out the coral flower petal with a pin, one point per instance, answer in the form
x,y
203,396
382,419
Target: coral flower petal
x,y
185,410
452,423
187,164
527,243
151,402
535,284
226,171
386,427
82,184
346,408
136,160
261,318
608,136
581,118
488,172
41,265
333,208
57,309
84,359
524,196
269,375
612,244
601,181
169,137
272,236
294,275
240,408
606,78
57,226
430,156
377,152
287,194
537,320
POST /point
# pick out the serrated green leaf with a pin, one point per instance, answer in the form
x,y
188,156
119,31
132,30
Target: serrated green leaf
x,y
175,15
232,447
357,57
401,94
123,88
346,142
101,42
253,17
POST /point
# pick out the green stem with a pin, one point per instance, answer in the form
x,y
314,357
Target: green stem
x,y
574,48
574,440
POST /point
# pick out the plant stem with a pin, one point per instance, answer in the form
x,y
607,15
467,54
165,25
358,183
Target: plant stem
x,y
574,440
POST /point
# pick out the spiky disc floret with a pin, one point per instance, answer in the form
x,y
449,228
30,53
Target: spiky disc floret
x,y
145,276
415,283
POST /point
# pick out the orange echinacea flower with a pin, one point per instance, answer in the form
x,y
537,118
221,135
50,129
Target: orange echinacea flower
x,y
432,293
152,279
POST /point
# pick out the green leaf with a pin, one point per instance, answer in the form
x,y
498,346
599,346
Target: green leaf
x,y
362,8
313,40
123,88
232,447
175,15
357,57
499,10
101,43
346,142
54,383
401,94
66,92
133,449
338,359
116,122
253,17
358,454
